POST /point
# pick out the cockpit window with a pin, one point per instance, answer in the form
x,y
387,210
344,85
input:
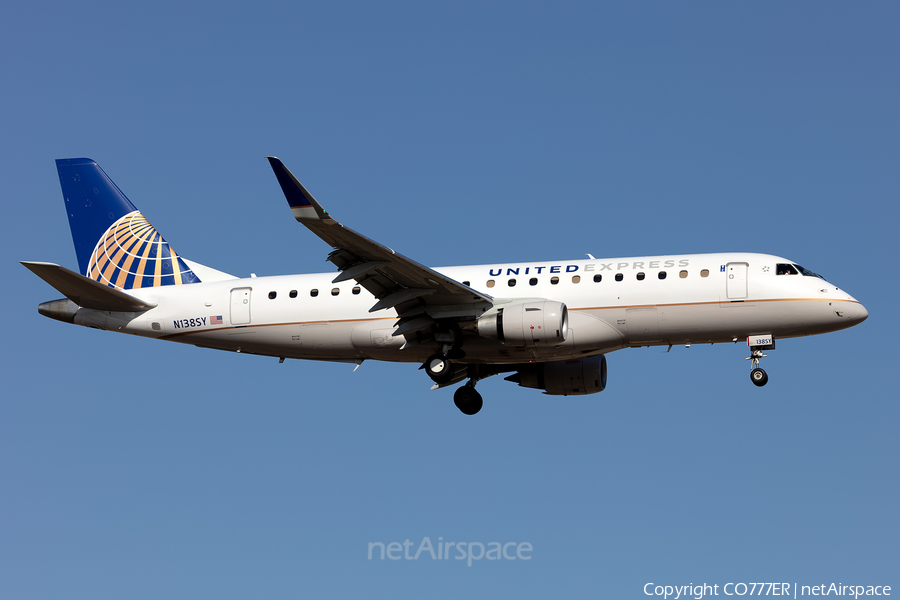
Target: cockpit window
x,y
807,272
792,269
785,269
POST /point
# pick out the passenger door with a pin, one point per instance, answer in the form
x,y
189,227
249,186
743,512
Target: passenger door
x,y
240,306
736,281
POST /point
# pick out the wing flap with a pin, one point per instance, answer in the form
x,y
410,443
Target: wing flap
x,y
360,270
400,297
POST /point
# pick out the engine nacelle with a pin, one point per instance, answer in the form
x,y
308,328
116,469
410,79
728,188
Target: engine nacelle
x,y
564,378
535,323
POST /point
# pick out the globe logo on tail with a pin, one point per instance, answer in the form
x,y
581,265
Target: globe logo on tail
x,y
132,254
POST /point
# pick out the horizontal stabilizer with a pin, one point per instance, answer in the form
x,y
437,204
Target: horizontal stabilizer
x,y
86,292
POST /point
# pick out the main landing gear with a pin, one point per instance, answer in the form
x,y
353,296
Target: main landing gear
x,y
439,368
757,375
467,399
444,372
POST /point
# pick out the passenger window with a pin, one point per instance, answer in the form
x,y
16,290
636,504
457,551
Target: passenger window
x,y
293,294
355,290
682,274
554,280
576,278
272,295
598,278
662,274
640,276
619,277
704,273
511,283
335,291
313,293
532,281
490,283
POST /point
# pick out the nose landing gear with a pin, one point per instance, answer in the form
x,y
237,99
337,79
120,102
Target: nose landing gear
x,y
757,344
758,376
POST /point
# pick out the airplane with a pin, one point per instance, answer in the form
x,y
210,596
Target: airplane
x,y
549,325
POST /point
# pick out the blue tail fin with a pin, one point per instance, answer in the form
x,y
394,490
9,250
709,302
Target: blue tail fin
x,y
114,242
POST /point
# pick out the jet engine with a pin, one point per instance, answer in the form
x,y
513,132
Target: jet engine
x,y
535,323
564,378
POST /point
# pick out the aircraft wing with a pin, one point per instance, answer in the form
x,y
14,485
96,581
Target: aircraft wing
x,y
396,281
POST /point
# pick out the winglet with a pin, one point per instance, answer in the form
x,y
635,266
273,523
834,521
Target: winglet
x,y
302,203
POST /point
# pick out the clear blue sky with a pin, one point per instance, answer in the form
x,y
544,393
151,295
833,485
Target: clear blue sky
x,y
455,133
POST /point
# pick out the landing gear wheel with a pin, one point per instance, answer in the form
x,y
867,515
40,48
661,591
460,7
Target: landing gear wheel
x,y
759,377
439,368
468,400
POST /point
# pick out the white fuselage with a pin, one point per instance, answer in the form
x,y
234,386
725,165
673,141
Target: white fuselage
x,y
701,298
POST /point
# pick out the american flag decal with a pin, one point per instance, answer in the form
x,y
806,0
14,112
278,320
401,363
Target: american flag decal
x,y
215,320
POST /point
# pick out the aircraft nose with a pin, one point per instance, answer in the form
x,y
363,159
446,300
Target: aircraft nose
x,y
855,311
859,314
